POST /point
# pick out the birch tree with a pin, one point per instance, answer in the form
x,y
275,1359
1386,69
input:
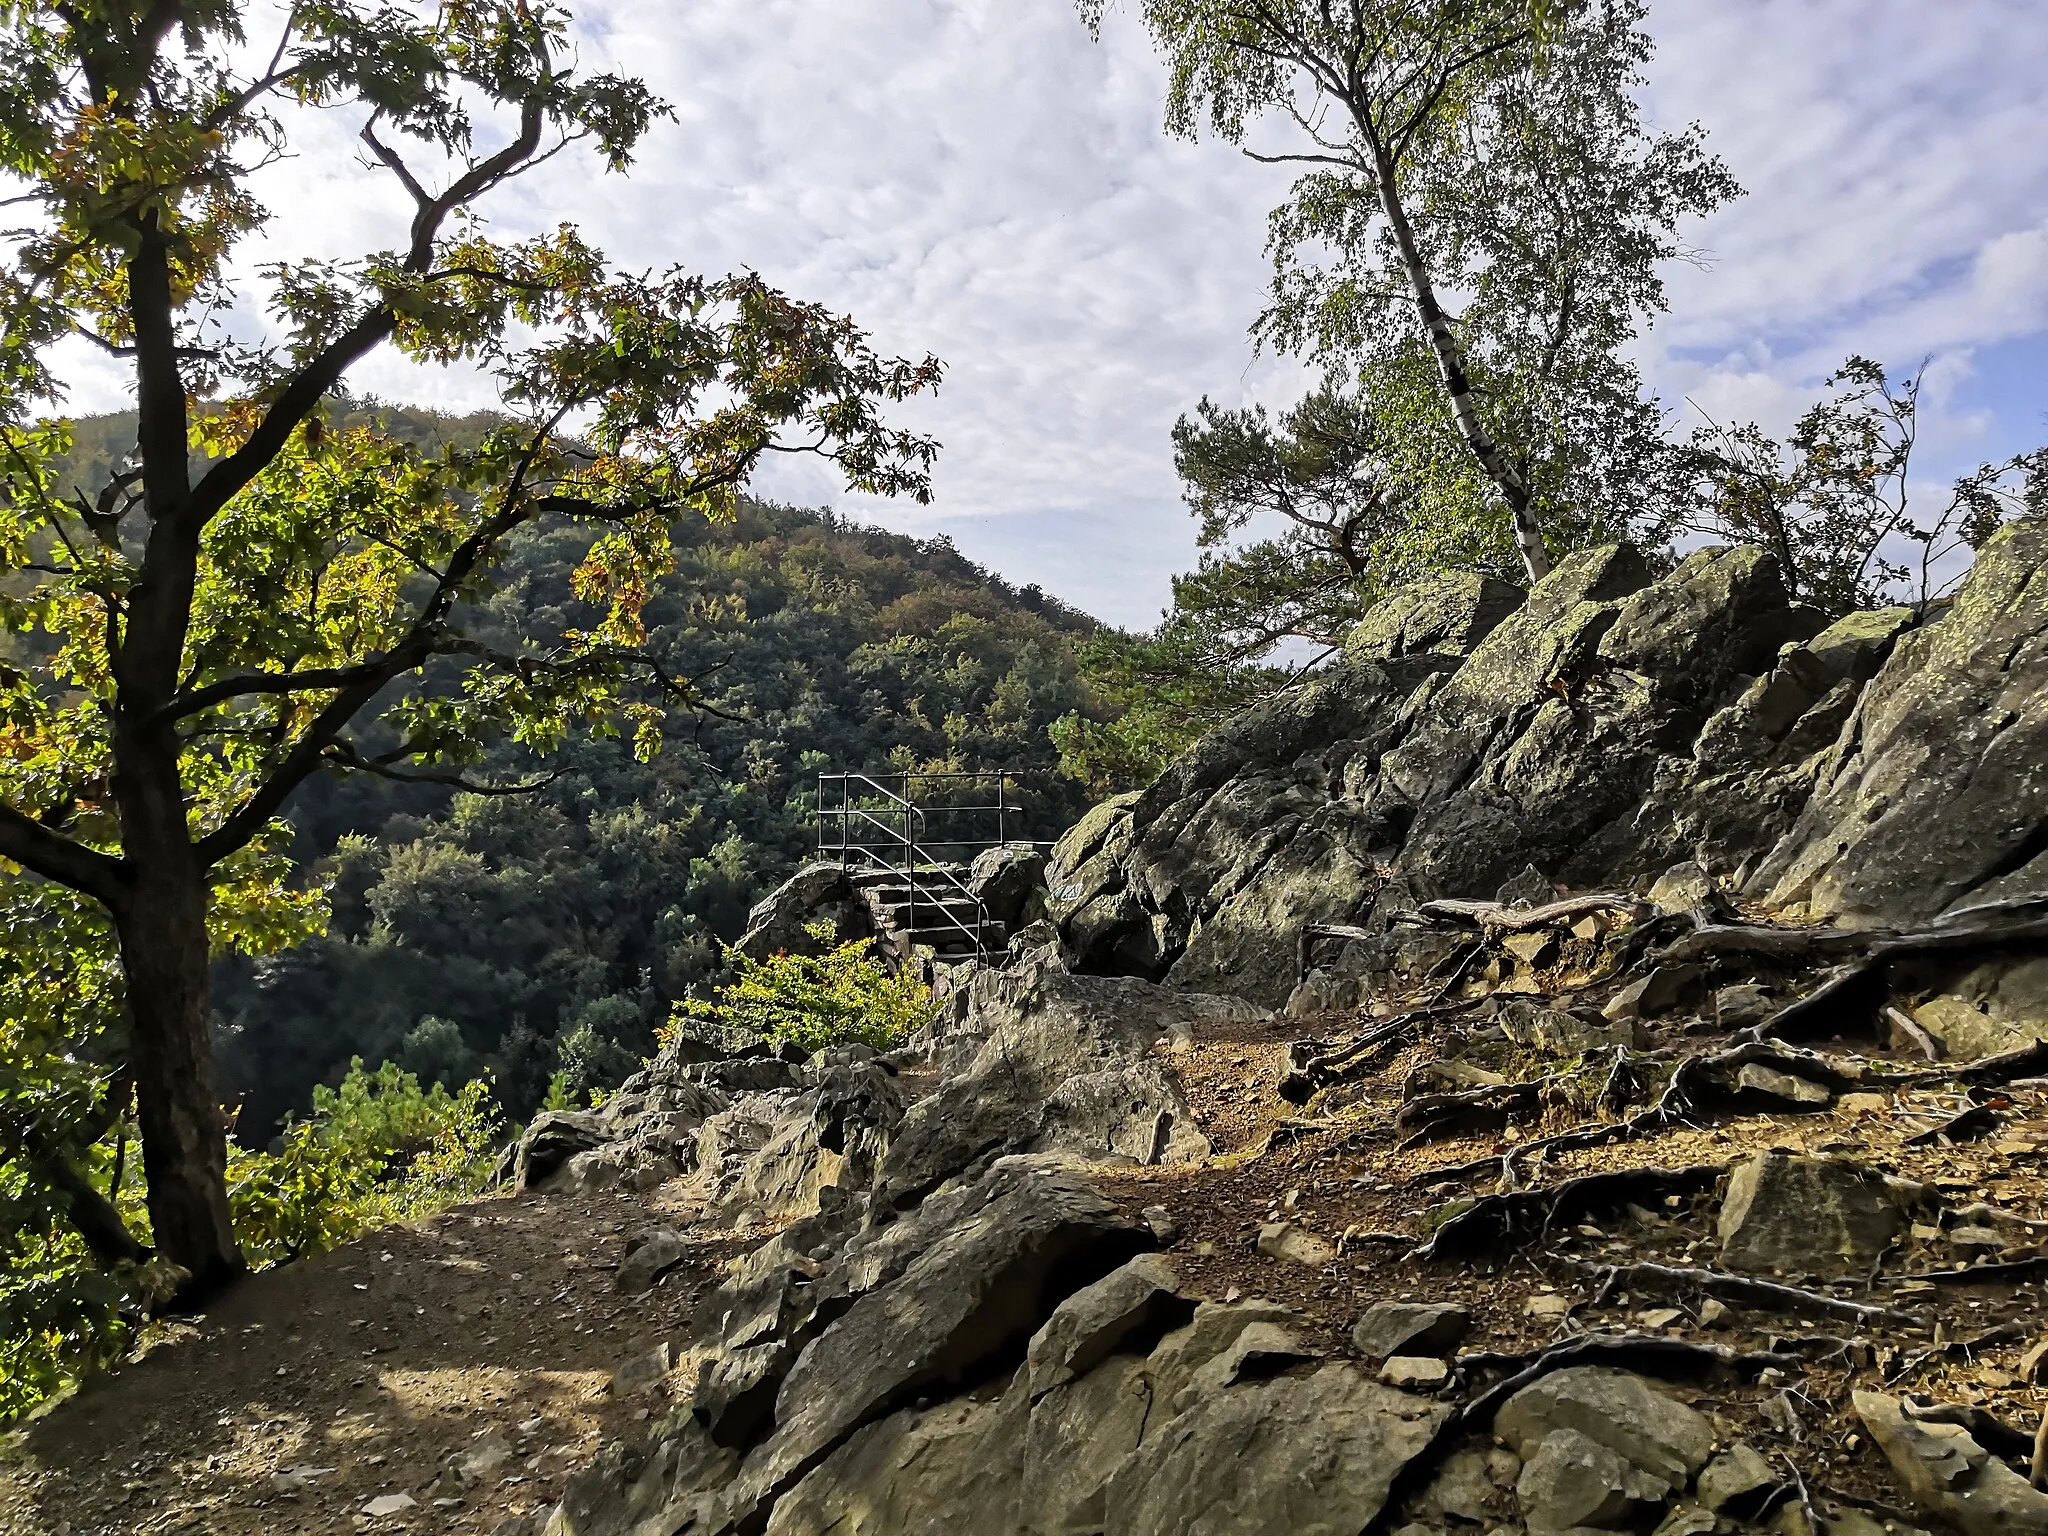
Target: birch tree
x,y
1476,178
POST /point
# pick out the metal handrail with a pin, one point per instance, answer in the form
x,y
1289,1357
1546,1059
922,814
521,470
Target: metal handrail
x,y
909,842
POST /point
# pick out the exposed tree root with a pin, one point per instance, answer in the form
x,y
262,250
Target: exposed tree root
x,y
1783,945
1956,1349
1494,1220
1742,1289
1432,1115
2002,1272
1493,917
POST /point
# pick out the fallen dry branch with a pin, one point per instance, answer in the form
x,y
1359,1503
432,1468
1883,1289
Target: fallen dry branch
x,y
1978,1121
1494,917
1741,1289
1907,1025
1523,1214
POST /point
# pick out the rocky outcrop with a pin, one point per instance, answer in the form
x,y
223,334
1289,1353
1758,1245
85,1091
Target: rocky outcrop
x,y
1448,760
1936,796
904,1408
757,1137
781,922
1879,769
960,1324
1061,1063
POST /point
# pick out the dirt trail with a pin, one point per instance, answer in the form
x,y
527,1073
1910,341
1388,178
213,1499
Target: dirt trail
x,y
377,1362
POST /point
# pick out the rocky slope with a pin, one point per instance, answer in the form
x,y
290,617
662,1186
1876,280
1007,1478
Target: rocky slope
x,y
1575,1067
1755,874
1879,770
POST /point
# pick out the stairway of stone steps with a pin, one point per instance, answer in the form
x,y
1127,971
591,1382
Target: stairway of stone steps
x,y
943,917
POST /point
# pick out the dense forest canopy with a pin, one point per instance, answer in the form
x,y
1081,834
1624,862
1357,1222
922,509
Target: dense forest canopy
x,y
545,935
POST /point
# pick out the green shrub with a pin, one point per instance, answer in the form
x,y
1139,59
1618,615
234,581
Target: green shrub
x,y
378,1149
844,996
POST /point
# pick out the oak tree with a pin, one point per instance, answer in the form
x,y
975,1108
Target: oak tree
x,y
257,596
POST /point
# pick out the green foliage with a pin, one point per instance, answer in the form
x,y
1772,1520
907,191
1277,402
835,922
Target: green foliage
x,y
378,1149
275,586
1475,241
842,997
1153,696
1835,502
309,1196
604,897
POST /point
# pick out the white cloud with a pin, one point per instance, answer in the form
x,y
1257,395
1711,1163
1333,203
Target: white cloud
x,y
979,179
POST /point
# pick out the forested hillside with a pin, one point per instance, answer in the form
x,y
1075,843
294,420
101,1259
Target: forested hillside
x,y
548,933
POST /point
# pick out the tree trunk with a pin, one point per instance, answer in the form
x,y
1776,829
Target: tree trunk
x,y
1436,326
184,1135
165,957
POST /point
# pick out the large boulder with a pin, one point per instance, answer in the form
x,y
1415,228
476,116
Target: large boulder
x,y
1009,881
1648,1429
828,1137
1315,1453
1066,1064
1794,1215
1936,796
780,922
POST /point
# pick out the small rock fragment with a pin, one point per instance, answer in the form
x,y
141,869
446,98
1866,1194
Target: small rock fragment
x,y
652,1254
1784,1086
1391,1328
1547,1308
1742,1006
1163,1226
390,1504
1863,1104
1738,1480
1715,1313
642,1374
1284,1240
1416,1373
1573,1480
1688,1520
2034,1363
1665,988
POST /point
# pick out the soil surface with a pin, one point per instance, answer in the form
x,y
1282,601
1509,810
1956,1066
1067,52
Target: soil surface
x,y
489,1333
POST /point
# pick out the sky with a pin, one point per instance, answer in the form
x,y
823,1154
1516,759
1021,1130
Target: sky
x,y
982,180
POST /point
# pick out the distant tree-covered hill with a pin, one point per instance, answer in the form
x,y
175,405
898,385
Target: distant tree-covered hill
x,y
548,933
